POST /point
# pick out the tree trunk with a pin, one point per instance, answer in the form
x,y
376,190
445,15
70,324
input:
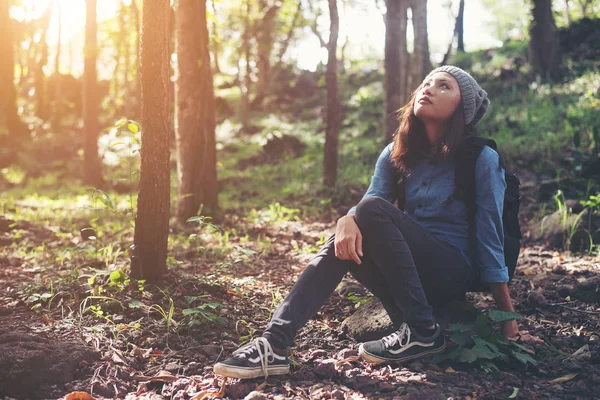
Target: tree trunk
x,y
245,101
544,52
264,38
330,160
567,13
41,61
460,27
92,168
194,113
420,63
58,104
152,219
395,48
8,94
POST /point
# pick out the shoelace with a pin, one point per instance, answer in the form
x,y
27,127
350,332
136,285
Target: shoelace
x,y
396,337
255,345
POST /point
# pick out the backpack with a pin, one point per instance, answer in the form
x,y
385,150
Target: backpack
x,y
466,155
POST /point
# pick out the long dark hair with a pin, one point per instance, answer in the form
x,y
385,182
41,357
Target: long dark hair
x,y
410,140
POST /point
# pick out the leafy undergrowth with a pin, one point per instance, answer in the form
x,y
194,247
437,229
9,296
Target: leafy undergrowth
x,y
225,282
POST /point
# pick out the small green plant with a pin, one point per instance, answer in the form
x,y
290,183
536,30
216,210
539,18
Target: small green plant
x,y
247,326
479,343
201,312
357,299
569,225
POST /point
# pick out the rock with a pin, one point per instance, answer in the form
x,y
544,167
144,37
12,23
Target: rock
x,y
337,394
536,299
563,291
211,350
241,389
254,395
587,290
326,369
30,363
369,322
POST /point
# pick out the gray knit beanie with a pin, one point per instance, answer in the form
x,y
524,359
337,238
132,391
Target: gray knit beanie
x,y
474,98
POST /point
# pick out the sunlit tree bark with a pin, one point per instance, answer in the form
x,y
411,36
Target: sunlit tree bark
x,y
152,219
194,112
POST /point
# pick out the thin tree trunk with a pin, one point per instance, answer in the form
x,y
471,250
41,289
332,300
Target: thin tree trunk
x,y
8,94
460,27
152,219
584,5
333,101
567,13
395,47
92,167
41,61
245,103
420,63
544,49
264,40
58,104
194,113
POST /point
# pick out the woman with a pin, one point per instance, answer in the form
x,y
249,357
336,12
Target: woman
x,y
409,259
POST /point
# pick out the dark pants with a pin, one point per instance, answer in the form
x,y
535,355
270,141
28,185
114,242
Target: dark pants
x,y
403,265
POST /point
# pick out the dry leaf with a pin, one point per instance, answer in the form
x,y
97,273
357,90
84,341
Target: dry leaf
x,y
449,370
79,396
205,394
161,376
565,378
47,319
349,359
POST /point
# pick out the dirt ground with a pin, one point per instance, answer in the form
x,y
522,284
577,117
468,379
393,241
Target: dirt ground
x,y
57,350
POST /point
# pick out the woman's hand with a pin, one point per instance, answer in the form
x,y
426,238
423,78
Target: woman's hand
x,y
348,239
510,329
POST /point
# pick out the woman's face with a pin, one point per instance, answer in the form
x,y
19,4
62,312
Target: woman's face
x,y
437,98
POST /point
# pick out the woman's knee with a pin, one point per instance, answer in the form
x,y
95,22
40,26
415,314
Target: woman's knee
x,y
367,208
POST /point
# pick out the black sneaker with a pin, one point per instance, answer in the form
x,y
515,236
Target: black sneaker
x,y
403,345
257,358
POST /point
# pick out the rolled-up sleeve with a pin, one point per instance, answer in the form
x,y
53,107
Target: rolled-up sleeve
x,y
383,182
490,186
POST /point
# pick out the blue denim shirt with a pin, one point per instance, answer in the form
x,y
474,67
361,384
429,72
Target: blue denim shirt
x,y
428,191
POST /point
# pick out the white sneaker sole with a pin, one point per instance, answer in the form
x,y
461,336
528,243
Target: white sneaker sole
x,y
373,359
247,372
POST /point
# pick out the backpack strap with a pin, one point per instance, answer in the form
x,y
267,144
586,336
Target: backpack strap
x,y
466,156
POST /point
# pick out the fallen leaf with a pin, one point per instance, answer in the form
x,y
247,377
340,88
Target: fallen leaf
x,y
79,396
161,376
47,319
565,378
526,337
582,353
217,394
514,393
349,359
449,370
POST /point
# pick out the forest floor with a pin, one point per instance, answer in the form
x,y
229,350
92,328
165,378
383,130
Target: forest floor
x,y
81,327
